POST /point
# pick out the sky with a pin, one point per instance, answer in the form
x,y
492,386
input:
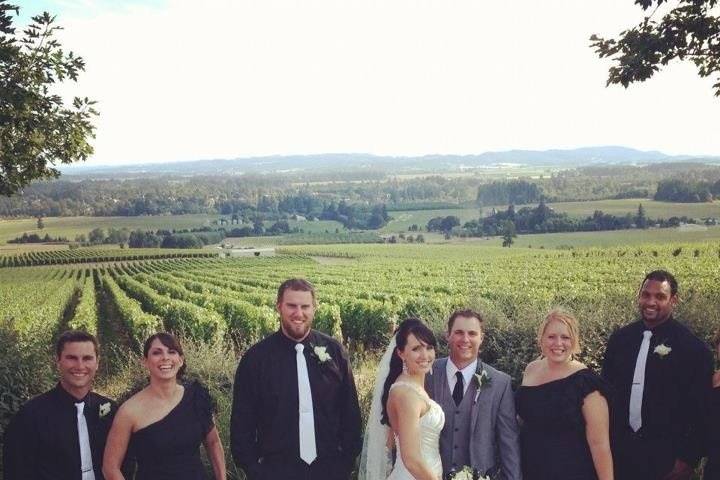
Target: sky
x,y
183,80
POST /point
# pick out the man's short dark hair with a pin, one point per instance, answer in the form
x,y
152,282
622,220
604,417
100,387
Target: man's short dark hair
x,y
71,336
296,284
662,276
465,312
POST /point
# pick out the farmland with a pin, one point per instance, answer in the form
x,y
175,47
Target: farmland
x,y
69,227
402,220
220,306
214,299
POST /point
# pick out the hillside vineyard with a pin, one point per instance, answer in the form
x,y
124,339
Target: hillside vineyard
x,y
362,294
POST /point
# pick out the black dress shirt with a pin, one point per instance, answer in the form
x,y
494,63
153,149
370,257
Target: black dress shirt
x,y
41,441
264,424
676,386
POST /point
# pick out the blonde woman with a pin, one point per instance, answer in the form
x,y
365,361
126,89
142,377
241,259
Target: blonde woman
x,y
563,408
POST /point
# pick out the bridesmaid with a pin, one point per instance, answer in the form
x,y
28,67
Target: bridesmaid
x,y
164,423
563,411
712,468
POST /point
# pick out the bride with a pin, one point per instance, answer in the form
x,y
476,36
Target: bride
x,y
402,413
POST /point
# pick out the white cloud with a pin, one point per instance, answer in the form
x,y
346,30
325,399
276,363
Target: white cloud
x,y
222,78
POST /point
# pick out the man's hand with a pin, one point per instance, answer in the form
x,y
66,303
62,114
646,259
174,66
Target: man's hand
x,y
681,471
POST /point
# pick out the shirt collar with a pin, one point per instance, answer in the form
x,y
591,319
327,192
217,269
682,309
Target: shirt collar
x,y
662,329
467,372
65,397
290,343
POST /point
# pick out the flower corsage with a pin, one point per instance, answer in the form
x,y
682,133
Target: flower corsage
x,y
104,410
482,380
320,354
662,350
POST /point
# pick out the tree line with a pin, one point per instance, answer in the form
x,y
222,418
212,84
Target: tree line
x,y
675,190
271,196
543,219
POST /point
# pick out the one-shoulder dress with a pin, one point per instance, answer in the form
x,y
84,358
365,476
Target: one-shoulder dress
x,y
431,424
552,435
169,449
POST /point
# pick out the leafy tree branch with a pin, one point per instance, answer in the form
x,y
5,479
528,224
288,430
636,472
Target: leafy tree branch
x,y
689,31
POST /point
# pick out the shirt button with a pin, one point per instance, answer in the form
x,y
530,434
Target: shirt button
x,y
457,429
457,412
455,447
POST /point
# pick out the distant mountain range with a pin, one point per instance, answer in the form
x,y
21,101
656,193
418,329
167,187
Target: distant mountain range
x,y
365,162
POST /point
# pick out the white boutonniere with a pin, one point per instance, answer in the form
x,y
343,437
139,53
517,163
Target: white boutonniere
x,y
104,410
482,379
662,350
321,354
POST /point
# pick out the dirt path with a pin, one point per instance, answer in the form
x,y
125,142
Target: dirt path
x,y
114,339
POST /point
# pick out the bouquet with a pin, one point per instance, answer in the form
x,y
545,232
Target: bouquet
x,y
466,473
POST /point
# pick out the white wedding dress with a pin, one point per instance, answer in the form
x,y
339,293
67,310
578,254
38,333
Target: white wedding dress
x,y
431,423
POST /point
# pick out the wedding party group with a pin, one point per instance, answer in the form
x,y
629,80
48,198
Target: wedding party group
x,y
651,413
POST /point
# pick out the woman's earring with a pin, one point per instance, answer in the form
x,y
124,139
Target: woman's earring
x,y
404,367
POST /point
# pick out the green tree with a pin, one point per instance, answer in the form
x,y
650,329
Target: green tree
x,y
508,233
641,219
40,223
37,129
96,236
688,31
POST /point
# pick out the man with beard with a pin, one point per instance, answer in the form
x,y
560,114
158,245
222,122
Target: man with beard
x,y
295,408
661,375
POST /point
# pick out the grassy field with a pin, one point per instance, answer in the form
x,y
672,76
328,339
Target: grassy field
x,y
403,219
500,172
343,237
614,238
318,226
652,208
71,226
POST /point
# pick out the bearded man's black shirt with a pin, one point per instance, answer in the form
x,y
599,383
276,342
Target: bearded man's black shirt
x,y
264,424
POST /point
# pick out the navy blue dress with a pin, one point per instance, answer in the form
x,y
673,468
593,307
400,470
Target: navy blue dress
x,y
552,435
169,449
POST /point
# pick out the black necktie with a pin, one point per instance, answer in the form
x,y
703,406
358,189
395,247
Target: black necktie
x,y
458,390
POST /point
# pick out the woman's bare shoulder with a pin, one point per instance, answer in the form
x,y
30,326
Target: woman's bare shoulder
x,y
533,367
407,396
133,407
576,366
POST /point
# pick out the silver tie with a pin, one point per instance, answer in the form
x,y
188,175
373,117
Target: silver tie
x,y
638,383
86,464
306,418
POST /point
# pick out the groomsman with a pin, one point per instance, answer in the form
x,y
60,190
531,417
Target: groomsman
x,y
481,429
61,434
295,411
661,374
